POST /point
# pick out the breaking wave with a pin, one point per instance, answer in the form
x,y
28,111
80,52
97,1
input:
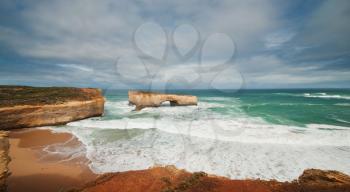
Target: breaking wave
x,y
325,95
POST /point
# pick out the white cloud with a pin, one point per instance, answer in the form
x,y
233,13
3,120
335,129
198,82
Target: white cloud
x,y
277,39
76,67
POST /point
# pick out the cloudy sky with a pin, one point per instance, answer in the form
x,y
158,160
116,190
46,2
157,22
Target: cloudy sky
x,y
177,44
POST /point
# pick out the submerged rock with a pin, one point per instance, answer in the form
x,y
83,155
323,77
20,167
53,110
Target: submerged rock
x,y
22,106
170,179
142,99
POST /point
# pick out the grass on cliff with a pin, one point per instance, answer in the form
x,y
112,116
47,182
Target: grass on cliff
x,y
23,95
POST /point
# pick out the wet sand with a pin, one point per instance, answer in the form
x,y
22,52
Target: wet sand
x,y
33,168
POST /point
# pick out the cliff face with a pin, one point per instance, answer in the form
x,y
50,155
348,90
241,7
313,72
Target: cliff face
x,y
22,107
143,99
170,179
4,159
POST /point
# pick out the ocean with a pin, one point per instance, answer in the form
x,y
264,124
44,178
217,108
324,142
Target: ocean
x,y
266,134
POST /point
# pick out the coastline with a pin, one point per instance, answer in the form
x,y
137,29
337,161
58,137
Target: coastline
x,y
44,160
34,169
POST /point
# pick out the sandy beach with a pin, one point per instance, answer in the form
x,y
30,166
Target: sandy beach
x,y
35,166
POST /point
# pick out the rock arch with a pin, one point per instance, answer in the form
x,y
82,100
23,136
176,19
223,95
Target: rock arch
x,y
142,99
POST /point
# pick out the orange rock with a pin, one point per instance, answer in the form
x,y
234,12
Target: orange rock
x,y
319,180
170,179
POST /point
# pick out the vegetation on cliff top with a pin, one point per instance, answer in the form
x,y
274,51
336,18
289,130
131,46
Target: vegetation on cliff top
x,y
24,95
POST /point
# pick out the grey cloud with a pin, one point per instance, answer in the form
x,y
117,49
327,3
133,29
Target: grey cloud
x,y
84,38
103,29
325,33
271,71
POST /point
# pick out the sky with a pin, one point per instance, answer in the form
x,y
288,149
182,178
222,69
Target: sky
x,y
189,44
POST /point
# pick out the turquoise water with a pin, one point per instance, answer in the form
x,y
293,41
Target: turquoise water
x,y
299,107
288,107
266,134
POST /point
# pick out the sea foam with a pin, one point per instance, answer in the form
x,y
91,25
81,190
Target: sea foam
x,y
197,138
111,150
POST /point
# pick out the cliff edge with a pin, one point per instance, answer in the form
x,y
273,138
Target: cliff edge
x,y
22,106
142,99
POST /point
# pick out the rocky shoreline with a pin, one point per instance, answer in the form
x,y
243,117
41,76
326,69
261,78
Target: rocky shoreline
x,y
170,179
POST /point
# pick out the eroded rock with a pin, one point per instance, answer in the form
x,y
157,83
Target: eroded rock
x,y
22,107
320,180
142,99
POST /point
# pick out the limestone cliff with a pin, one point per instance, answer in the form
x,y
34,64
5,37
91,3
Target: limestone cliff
x,y
142,99
4,159
170,179
32,107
